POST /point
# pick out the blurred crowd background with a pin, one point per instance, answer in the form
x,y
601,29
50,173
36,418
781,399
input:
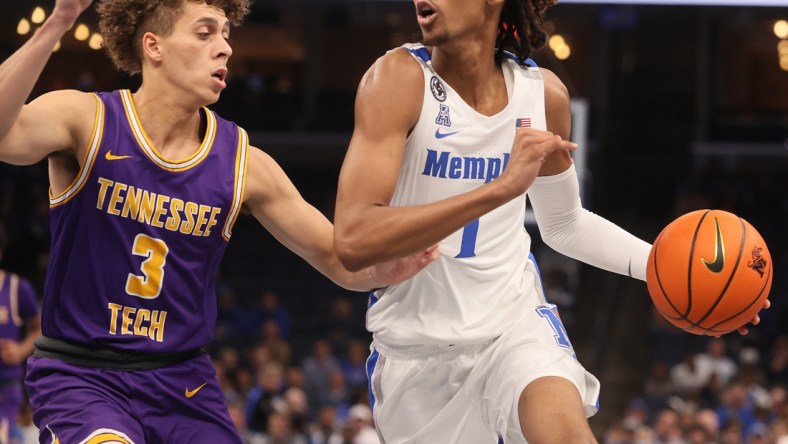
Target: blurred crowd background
x,y
687,108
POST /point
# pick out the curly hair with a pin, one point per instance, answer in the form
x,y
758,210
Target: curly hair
x,y
520,28
123,22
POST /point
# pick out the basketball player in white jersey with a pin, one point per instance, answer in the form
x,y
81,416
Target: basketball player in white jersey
x,y
449,136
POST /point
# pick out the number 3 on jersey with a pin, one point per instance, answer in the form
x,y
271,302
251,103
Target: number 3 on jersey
x,y
148,286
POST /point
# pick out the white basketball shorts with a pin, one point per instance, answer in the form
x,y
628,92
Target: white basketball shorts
x,y
469,394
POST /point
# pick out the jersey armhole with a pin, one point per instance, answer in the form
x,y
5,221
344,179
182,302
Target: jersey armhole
x,y
239,185
90,158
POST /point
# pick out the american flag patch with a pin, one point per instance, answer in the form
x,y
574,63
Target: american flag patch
x,y
524,122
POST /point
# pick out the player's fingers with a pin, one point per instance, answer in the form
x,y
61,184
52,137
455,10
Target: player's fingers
x,y
557,143
530,131
766,304
530,136
428,256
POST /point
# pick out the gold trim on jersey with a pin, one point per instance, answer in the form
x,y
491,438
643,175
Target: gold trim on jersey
x,y
90,159
107,436
241,163
55,439
153,153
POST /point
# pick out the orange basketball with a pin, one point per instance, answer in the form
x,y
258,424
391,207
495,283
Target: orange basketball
x,y
709,272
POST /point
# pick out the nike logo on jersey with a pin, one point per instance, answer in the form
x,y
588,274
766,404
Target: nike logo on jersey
x,y
110,156
190,393
719,253
440,135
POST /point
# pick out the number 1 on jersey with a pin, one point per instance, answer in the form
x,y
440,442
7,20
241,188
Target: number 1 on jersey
x,y
468,245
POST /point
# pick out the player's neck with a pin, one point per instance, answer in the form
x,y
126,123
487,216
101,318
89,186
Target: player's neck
x,y
471,70
171,127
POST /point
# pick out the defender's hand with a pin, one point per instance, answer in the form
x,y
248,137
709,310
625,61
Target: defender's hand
x,y
69,10
394,272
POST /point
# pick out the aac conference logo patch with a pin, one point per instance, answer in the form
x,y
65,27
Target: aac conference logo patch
x,y
437,89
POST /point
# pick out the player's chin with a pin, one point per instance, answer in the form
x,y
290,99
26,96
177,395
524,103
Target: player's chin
x,y
213,97
434,37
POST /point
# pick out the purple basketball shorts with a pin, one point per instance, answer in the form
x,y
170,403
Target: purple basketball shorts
x,y
181,403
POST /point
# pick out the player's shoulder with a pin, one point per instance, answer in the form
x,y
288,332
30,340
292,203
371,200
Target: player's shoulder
x,y
397,68
406,57
67,100
262,166
258,156
74,109
552,83
556,93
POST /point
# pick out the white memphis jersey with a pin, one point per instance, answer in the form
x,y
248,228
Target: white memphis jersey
x,y
483,280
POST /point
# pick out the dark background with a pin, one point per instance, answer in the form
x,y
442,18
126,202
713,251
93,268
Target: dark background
x,y
688,109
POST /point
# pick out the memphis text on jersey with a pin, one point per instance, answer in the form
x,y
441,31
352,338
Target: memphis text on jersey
x,y
444,165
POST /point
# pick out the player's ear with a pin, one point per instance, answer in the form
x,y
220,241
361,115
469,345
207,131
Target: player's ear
x,y
151,47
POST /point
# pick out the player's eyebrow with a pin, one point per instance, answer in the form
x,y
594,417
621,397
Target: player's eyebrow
x,y
208,20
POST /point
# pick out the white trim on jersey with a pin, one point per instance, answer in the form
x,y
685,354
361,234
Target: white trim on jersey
x,y
112,437
142,138
90,157
240,182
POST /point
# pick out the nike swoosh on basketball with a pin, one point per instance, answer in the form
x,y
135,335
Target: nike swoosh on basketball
x,y
190,393
110,156
719,253
439,135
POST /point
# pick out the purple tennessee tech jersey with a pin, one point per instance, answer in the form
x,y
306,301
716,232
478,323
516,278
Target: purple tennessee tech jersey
x,y
137,238
18,304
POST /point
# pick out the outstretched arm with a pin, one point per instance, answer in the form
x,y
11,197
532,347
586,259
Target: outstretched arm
x,y
22,140
276,203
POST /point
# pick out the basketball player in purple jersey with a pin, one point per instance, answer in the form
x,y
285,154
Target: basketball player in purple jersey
x,y
144,190
19,325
